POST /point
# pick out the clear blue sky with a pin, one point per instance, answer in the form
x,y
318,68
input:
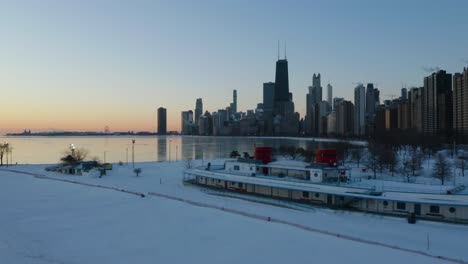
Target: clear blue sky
x,y
114,62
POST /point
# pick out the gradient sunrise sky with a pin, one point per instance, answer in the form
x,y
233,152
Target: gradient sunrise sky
x,y
82,65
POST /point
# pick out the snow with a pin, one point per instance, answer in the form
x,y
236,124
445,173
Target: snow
x,y
45,221
289,163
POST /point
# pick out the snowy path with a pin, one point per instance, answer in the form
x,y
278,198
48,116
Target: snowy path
x,y
278,215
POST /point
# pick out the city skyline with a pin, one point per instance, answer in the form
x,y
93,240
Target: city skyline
x,y
84,66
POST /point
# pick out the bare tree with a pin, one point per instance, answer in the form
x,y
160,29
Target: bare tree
x,y
410,163
372,157
342,151
392,161
234,154
188,163
406,169
290,151
462,164
442,168
357,155
137,171
388,159
74,155
5,148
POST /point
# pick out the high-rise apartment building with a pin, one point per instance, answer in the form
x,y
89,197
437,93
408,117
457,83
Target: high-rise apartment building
x,y
404,94
162,121
460,104
330,95
415,107
437,104
345,118
359,110
186,122
198,110
370,101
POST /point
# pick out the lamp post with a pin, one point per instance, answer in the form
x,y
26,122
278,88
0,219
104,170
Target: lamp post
x,y
72,148
201,155
133,153
170,141
6,151
105,156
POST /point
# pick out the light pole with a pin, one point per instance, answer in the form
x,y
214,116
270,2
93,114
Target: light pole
x,y
105,156
72,148
170,141
201,155
6,151
133,153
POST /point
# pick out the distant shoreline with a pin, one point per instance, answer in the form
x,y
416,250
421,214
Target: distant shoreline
x,y
83,134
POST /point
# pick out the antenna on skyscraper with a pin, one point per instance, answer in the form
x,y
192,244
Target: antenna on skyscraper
x,y
285,50
278,50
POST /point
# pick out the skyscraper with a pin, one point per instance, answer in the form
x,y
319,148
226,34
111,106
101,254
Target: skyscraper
x,y
312,99
377,96
286,121
344,118
370,101
268,106
415,101
198,110
359,110
186,122
437,104
460,104
330,95
404,93
281,81
219,119
234,101
162,121
337,101
316,89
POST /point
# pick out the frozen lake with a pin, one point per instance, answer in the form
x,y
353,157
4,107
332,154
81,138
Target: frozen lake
x,y
41,150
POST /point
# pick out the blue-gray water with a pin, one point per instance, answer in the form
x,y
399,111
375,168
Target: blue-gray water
x,y
40,150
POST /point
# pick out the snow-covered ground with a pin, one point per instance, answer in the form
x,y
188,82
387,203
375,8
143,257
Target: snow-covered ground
x,y
424,182
46,221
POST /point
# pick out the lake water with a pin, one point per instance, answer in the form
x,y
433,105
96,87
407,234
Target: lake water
x,y
42,150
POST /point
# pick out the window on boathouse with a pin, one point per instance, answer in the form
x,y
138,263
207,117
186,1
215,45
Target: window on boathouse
x,y
305,194
434,209
401,206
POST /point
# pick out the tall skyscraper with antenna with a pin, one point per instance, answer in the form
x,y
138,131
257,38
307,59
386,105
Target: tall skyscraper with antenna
x,y
286,120
281,81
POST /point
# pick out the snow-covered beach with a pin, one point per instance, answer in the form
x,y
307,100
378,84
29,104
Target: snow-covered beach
x,y
47,221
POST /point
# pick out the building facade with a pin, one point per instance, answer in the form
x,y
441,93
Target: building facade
x,y
359,110
460,104
437,104
345,119
162,121
198,110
